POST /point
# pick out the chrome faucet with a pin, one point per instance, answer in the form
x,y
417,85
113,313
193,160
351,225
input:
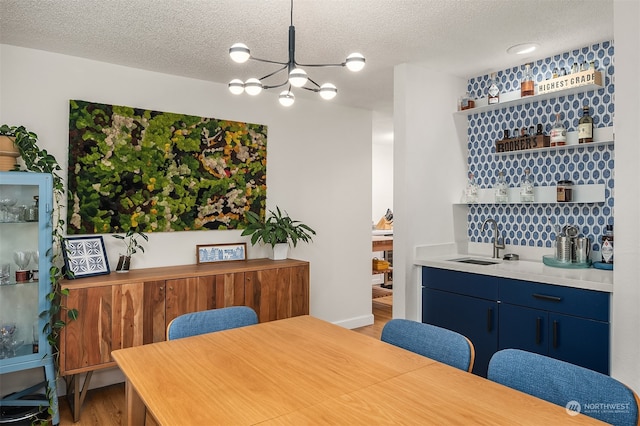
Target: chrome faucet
x,y
497,245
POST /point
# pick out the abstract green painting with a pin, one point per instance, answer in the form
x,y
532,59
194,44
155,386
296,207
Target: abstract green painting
x,y
159,171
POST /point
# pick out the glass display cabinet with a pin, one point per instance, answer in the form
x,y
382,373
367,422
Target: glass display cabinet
x,y
26,202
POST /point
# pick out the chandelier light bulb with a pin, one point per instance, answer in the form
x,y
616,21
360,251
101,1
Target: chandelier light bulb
x,y
253,86
298,77
328,91
286,98
240,53
236,86
355,62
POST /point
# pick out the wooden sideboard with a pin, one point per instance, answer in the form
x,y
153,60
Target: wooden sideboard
x,y
123,310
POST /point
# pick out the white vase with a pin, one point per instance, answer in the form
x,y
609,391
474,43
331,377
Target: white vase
x,y
279,251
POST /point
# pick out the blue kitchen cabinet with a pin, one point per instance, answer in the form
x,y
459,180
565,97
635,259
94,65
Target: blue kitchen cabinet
x,y
26,247
566,323
465,303
496,313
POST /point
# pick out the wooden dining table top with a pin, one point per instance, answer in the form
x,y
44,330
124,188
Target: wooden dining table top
x,y
304,370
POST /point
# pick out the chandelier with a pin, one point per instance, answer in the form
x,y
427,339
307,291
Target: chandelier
x,y
296,75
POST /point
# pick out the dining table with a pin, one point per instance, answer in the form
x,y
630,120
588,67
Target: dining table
x,y
304,370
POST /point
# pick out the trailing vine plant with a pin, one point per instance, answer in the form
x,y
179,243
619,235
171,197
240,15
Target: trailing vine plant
x,y
39,160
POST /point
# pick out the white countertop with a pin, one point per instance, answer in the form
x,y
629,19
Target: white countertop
x,y
527,270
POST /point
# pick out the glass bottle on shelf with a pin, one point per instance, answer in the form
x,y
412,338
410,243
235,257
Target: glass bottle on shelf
x,y
493,94
467,102
526,187
585,126
527,87
501,189
558,134
471,190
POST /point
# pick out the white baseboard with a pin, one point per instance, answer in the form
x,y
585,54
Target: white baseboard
x,y
356,322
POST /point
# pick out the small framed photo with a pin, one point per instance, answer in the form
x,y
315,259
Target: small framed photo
x,y
85,256
209,253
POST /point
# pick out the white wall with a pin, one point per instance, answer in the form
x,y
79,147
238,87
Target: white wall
x,y
625,342
382,180
429,170
318,162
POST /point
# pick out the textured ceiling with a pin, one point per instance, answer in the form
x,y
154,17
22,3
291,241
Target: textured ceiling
x,y
191,37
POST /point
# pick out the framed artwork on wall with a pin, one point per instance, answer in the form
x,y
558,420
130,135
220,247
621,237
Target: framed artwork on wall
x,y
209,253
85,256
160,171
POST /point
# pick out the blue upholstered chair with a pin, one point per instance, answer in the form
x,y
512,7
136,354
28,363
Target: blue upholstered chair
x,y
573,387
428,340
203,322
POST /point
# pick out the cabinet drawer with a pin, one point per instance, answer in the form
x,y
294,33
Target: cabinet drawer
x,y
566,300
483,286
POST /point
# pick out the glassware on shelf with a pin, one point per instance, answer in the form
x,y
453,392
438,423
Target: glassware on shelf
x,y
7,336
470,194
501,189
526,187
5,204
35,258
5,273
22,259
558,134
493,94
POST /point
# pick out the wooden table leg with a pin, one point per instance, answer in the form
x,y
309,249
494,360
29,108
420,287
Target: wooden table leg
x,y
135,409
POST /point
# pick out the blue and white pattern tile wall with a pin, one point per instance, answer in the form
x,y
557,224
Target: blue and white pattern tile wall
x,y
535,224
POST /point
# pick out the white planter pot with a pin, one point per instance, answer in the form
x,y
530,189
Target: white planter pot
x,y
280,251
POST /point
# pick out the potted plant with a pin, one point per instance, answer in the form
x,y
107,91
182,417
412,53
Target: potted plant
x,y
278,230
132,243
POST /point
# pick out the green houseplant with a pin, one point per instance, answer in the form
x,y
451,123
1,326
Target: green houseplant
x,y
132,244
277,230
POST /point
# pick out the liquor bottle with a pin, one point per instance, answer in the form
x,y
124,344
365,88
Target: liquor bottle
x,y
558,134
607,245
494,90
467,102
526,187
501,189
471,190
526,84
585,126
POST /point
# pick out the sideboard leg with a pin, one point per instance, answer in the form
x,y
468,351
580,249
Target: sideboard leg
x,y
76,394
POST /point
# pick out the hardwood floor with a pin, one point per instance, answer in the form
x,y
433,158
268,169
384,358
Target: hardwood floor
x,y
105,406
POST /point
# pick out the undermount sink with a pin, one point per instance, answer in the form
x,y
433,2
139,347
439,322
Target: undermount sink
x,y
475,261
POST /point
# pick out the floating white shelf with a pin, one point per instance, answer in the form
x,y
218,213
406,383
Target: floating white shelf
x,y
593,193
601,136
509,99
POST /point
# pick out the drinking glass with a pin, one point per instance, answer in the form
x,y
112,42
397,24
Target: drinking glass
x,y
22,259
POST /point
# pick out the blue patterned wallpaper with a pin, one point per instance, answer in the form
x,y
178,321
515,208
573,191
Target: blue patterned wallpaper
x,y
535,224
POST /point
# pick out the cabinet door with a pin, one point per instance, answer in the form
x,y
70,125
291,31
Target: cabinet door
x,y
154,312
579,341
181,297
219,291
278,293
523,328
109,318
473,317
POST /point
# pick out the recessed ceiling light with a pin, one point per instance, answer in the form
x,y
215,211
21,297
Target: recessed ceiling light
x,y
522,49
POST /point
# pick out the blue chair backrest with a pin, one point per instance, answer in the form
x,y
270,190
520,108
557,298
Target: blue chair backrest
x,y
428,340
571,386
195,323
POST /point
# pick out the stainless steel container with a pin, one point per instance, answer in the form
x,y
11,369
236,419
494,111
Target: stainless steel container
x,y
581,249
563,249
